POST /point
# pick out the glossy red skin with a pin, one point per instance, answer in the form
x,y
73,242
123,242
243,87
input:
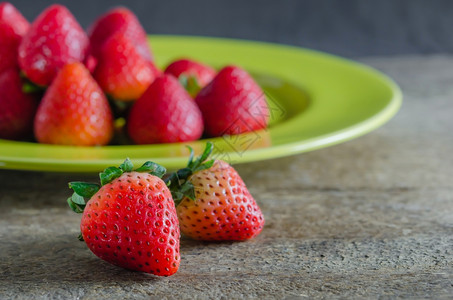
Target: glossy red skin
x,y
165,113
9,42
12,27
132,223
54,39
121,71
74,110
90,63
11,16
119,20
17,109
223,209
233,103
203,73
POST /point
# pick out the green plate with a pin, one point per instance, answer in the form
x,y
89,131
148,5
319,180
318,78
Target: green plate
x,y
316,100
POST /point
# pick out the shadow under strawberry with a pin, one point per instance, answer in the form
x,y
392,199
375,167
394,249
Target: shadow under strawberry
x,y
50,263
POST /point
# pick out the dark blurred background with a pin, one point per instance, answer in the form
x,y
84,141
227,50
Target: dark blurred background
x,y
349,28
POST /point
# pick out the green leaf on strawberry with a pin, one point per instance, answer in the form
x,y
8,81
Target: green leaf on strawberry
x,y
74,206
190,83
77,199
84,189
153,169
193,75
127,165
109,174
178,181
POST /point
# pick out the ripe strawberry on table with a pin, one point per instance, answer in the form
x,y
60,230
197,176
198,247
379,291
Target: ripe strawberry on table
x,y
130,219
12,27
121,71
119,20
54,39
165,113
74,110
212,201
17,109
233,103
192,74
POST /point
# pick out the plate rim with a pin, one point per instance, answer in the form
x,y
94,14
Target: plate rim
x,y
275,151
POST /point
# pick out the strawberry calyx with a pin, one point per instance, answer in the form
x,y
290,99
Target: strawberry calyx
x,y
29,87
190,83
178,182
83,191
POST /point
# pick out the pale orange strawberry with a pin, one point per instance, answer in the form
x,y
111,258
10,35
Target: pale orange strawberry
x,y
74,110
213,203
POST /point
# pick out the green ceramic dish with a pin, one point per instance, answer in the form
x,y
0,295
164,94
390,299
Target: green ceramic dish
x,y
316,100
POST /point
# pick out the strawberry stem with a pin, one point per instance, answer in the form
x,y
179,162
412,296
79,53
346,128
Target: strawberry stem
x,y
190,83
178,182
120,109
29,87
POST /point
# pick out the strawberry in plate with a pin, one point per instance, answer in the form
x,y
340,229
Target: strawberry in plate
x,y
165,113
233,103
54,39
122,72
17,109
74,110
193,75
12,28
119,20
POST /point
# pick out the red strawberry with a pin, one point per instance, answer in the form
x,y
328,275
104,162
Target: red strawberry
x,y
11,16
90,63
233,103
121,71
9,41
119,20
54,39
17,109
165,113
130,221
74,110
12,27
192,74
213,203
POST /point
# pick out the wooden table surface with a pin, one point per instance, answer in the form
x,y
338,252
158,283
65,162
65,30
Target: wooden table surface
x,y
372,217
